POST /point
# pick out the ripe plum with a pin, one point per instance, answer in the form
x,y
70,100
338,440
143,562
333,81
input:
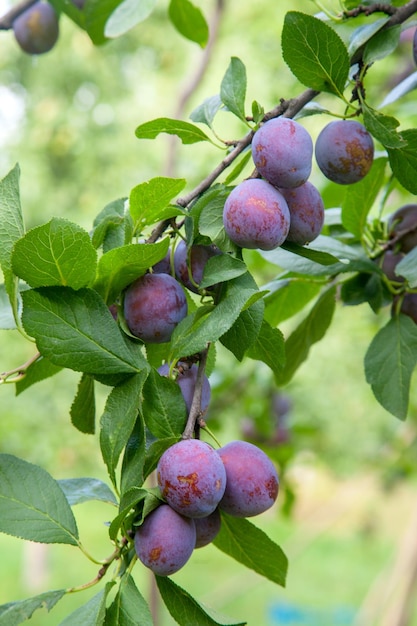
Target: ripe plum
x,y
306,213
207,528
403,227
189,264
37,29
390,261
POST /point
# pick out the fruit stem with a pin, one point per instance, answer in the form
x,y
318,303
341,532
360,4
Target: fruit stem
x,y
19,371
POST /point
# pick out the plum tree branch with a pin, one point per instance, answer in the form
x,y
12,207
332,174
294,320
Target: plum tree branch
x,y
6,21
195,409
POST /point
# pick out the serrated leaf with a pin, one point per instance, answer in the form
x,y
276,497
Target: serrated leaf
x,y
315,53
185,610
56,253
400,90
188,133
149,201
250,546
14,613
32,505
83,408
92,613
407,267
269,348
244,332
132,473
80,321
383,127
221,268
128,606
209,211
127,15
118,420
389,362
189,21
233,88
205,112
79,490
41,369
120,267
382,44
163,406
403,161
112,227
360,197
128,501
310,331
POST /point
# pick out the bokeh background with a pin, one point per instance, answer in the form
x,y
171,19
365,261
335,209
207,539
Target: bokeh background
x,y
347,511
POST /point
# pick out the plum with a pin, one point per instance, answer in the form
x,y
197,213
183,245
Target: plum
x,y
186,379
408,305
189,264
256,215
402,227
37,29
207,528
389,262
191,477
164,265
344,151
153,306
306,213
165,540
282,151
251,479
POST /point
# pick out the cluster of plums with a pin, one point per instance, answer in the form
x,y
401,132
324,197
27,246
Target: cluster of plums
x,y
37,29
197,482
283,205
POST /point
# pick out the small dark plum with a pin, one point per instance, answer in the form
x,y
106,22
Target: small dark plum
x,y
165,541
207,528
402,227
191,478
408,306
37,29
164,265
306,213
282,151
389,262
153,306
251,480
186,379
344,151
256,215
189,264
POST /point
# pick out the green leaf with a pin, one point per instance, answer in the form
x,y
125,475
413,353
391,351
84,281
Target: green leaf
x,y
7,321
96,13
189,21
185,610
92,613
132,473
79,490
14,613
389,363
400,90
318,256
149,201
221,268
118,420
80,321
407,267
154,452
129,606
241,336
32,505
233,88
251,547
269,348
364,287
382,127
206,112
120,267
11,230
360,197
364,33
311,330
403,161
112,227
128,501
163,406
382,44
287,297
188,133
209,211
56,253
83,408
315,53
41,369
127,15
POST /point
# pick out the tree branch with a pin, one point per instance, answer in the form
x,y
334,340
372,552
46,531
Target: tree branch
x,y
195,409
6,21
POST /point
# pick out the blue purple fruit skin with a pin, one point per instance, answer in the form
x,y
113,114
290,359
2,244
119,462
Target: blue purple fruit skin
x,y
186,380
153,306
165,541
344,151
251,480
191,478
37,29
199,255
207,528
389,262
256,215
402,226
164,265
282,151
306,213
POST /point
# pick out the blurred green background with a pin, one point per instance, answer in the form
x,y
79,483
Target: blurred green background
x,y
348,497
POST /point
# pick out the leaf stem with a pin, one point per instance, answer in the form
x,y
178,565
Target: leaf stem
x,y
20,371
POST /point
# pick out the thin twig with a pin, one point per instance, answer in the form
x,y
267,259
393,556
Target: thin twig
x,y
19,371
195,409
6,21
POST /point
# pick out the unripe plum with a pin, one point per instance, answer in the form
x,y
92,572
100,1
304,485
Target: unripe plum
x,y
344,151
153,306
282,151
251,480
390,261
192,262
191,477
306,213
403,227
207,528
256,215
37,29
186,379
165,540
